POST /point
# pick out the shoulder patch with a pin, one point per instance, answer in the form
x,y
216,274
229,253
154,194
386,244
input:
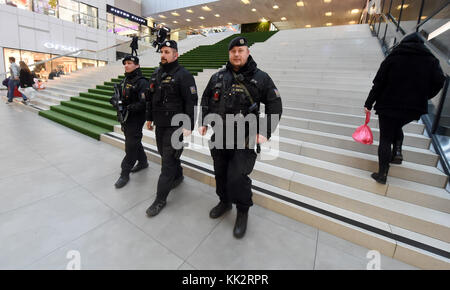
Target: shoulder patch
x,y
193,90
277,93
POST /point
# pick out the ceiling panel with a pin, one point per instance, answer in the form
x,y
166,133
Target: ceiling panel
x,y
235,12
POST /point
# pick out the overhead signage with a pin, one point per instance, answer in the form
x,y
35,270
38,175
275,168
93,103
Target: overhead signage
x,y
124,14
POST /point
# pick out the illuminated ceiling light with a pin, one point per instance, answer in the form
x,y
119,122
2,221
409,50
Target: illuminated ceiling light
x,y
423,17
202,18
308,26
188,20
404,6
175,21
189,11
246,2
163,23
229,23
300,4
254,10
439,31
328,13
175,14
354,11
206,8
283,18
162,16
263,19
327,1
352,22
329,24
217,15
275,7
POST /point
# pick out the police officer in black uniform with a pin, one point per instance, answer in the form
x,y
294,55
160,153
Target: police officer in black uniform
x,y
237,90
172,92
134,89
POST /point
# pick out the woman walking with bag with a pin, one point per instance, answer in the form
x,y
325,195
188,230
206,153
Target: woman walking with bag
x,y
26,82
408,77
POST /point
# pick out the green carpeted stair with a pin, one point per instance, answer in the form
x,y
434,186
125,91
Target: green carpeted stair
x,y
91,113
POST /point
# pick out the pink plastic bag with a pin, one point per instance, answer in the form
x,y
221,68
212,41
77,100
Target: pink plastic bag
x,y
363,134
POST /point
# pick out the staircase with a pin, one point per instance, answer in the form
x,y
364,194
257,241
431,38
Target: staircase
x,y
91,113
320,176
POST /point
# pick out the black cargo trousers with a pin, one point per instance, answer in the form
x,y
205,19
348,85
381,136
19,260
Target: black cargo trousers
x,y
171,169
231,169
134,151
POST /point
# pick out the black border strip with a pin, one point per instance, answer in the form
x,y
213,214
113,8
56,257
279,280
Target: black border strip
x,y
352,222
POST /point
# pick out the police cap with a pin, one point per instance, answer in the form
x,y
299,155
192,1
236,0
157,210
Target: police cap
x,y
170,43
133,58
238,41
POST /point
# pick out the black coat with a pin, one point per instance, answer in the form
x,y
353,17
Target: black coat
x,y
26,79
408,77
134,42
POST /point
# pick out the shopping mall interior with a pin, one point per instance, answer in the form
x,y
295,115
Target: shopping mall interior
x,y
315,204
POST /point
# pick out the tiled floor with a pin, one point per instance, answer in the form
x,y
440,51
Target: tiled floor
x,y
57,195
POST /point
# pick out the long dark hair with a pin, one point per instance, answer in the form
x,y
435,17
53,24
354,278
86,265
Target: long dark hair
x,y
23,66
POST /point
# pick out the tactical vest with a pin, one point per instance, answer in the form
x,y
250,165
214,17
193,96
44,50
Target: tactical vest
x,y
129,89
230,96
165,92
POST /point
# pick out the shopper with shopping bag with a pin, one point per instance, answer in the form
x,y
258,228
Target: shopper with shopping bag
x,y
26,82
408,77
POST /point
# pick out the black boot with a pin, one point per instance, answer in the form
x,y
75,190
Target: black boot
x,y
241,224
156,207
139,167
178,181
219,210
397,156
381,175
122,181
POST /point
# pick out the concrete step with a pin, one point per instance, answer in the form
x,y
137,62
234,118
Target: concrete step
x,y
414,154
287,91
355,120
56,94
325,107
63,90
42,104
286,202
51,98
413,140
328,163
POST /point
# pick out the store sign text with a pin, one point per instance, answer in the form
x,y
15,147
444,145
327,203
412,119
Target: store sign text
x,y
51,45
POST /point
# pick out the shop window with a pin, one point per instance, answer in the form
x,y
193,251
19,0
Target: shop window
x,y
65,64
110,20
69,10
47,7
88,15
102,63
84,63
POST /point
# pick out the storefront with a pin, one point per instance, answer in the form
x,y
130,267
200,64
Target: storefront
x,y
63,64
